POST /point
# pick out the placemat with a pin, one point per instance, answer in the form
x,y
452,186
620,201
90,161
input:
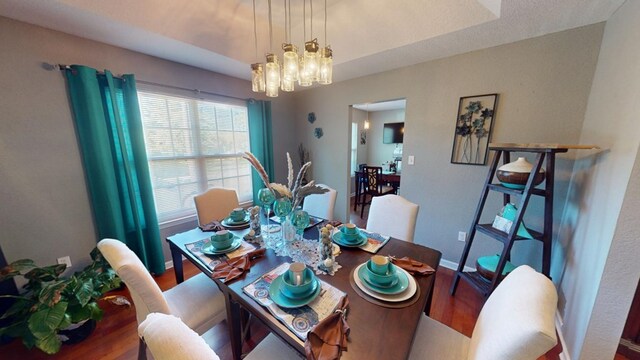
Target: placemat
x,y
390,305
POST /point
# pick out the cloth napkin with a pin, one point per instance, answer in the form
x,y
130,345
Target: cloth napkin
x,y
328,339
413,267
234,268
212,226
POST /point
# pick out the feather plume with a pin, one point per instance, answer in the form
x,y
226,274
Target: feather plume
x,y
301,173
258,167
290,173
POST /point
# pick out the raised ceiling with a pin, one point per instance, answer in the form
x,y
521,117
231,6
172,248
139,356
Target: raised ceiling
x,y
367,36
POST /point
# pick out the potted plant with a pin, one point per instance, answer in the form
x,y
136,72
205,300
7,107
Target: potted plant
x,y
52,308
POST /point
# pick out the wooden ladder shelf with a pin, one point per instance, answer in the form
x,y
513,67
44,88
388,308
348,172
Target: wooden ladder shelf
x,y
504,151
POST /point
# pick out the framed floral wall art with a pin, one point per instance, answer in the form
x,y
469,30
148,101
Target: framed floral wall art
x,y
473,129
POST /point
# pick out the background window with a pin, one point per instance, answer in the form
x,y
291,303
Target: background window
x,y
354,148
193,145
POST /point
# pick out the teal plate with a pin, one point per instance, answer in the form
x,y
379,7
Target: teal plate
x,y
228,222
337,238
400,286
210,250
284,302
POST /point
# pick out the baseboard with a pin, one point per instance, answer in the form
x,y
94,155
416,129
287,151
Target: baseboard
x,y
454,265
168,264
564,355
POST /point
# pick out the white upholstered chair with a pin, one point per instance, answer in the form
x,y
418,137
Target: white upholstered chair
x,y
321,205
197,301
168,338
215,204
393,215
516,323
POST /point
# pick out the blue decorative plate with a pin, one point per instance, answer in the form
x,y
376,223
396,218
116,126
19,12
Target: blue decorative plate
x,y
210,250
338,239
284,302
289,295
400,286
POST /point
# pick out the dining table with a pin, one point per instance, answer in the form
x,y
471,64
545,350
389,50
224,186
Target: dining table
x,y
377,332
390,178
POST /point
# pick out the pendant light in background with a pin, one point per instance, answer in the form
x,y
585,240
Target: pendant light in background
x,y
257,70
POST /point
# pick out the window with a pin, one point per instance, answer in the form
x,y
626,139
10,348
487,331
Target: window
x,y
354,147
193,145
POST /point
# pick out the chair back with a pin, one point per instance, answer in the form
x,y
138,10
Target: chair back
x,y
517,320
393,215
321,205
372,182
215,204
147,296
168,338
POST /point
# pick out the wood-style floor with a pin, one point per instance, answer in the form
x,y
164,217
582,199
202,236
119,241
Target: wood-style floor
x,y
115,336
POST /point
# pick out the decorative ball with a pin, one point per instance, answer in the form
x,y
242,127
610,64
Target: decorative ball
x,y
328,262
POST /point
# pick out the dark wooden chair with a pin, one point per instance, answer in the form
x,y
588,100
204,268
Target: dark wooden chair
x,y
372,185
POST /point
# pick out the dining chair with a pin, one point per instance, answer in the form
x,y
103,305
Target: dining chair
x,y
168,338
321,205
372,185
516,323
197,301
215,204
393,215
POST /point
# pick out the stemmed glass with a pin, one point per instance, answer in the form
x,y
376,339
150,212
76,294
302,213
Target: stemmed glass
x,y
282,207
266,198
300,221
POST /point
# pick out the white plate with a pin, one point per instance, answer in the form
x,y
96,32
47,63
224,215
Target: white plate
x,y
405,295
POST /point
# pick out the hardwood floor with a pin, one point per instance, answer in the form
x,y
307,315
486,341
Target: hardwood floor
x,y
115,336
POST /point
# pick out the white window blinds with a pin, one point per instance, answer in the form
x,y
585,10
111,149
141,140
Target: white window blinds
x,y
193,145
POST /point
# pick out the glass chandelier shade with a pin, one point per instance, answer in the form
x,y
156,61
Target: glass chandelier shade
x,y
290,62
257,78
311,60
272,75
326,66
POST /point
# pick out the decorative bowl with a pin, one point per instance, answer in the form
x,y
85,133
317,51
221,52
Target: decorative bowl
x,y
516,174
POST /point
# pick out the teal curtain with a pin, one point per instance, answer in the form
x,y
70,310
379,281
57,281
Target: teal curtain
x,y
260,141
109,131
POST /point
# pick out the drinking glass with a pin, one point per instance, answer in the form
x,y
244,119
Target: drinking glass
x,y
266,198
282,207
300,221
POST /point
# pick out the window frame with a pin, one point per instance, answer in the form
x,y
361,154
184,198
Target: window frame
x,y
177,218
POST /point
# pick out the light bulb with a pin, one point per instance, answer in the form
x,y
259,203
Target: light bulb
x,y
257,77
272,75
326,66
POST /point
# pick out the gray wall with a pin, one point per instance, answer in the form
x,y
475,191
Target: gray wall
x,y
596,255
543,84
377,152
45,212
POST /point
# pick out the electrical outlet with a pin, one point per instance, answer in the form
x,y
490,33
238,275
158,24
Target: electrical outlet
x,y
462,236
411,160
65,260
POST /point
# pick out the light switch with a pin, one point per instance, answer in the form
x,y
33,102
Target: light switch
x,y
411,160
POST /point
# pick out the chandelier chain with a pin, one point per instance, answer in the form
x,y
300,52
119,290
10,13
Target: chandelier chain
x,y
270,30
255,31
325,23
311,5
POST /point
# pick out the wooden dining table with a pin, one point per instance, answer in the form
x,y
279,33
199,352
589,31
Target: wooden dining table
x,y
386,177
377,332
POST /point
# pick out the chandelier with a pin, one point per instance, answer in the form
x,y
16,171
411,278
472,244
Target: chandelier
x,y
313,65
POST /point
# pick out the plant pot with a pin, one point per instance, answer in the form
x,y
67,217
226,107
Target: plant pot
x,y
77,332
516,174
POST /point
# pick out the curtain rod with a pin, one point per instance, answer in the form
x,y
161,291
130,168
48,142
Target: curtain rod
x,y
62,67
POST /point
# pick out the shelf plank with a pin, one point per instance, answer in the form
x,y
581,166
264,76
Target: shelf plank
x,y
503,189
489,230
540,147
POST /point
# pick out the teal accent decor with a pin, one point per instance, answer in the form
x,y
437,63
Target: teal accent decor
x,y
111,141
509,213
260,141
491,262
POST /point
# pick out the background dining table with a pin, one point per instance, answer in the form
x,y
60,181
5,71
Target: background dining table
x,y
377,332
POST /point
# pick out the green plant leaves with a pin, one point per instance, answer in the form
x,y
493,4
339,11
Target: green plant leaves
x,y
44,322
50,344
47,273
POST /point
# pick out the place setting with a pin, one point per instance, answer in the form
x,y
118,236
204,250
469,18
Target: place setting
x,y
350,236
295,296
381,282
237,219
222,245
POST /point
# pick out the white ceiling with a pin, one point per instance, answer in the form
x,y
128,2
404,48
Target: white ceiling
x,y
367,36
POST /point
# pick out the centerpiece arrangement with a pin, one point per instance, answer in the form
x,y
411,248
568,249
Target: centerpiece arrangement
x,y
287,199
